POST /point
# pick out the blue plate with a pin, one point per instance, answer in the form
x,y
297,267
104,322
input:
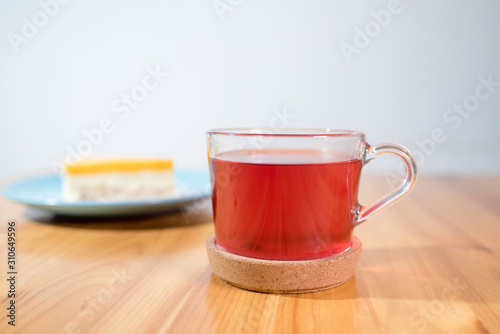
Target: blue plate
x,y
45,192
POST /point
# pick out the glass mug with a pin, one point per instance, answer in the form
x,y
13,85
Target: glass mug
x,y
291,194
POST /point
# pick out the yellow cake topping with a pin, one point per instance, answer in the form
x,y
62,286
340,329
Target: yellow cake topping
x,y
118,166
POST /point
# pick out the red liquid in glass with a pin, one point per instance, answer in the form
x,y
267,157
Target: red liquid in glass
x,y
284,204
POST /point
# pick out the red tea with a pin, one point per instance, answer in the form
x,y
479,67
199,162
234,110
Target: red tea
x,y
284,204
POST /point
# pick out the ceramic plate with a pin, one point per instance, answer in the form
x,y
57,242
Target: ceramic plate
x,y
44,192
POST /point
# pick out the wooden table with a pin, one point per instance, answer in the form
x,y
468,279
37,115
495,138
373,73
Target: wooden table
x,y
430,264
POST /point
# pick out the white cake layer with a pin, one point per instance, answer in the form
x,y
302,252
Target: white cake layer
x,y
133,185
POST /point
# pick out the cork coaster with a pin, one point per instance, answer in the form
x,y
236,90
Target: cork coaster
x,y
274,276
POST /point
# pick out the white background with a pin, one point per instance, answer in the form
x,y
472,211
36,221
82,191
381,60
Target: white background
x,y
237,71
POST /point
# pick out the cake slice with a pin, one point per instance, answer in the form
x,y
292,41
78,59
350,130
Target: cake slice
x,y
118,179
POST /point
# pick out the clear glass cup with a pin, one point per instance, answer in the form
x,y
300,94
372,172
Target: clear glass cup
x,y
292,194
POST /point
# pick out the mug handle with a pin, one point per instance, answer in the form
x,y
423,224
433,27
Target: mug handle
x,y
371,152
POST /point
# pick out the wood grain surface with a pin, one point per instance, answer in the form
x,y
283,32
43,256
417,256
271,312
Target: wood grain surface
x,y
430,264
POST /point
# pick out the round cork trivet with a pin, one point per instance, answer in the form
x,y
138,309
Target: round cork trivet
x,y
274,276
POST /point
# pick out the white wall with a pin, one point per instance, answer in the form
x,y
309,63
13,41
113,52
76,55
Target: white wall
x,y
264,56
